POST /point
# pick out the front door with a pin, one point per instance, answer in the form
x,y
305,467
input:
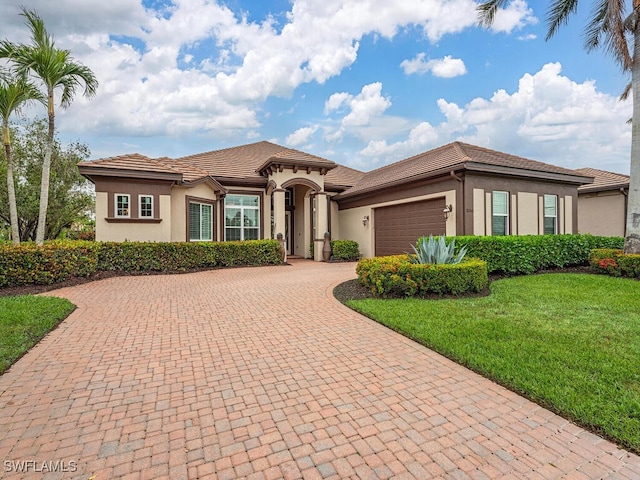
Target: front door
x,y
288,231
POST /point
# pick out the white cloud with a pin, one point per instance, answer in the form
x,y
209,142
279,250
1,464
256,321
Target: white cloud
x,y
447,67
301,136
515,16
528,37
232,64
549,118
362,111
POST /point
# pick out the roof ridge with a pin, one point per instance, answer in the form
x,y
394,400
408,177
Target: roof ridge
x,y
237,147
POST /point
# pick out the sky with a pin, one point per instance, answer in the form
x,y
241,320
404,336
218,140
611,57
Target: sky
x,y
361,82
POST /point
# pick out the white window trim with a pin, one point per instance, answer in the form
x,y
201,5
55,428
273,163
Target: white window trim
x,y
545,216
242,209
140,197
505,215
115,205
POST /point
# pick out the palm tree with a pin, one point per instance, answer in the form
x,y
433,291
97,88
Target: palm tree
x,y
15,93
56,69
613,29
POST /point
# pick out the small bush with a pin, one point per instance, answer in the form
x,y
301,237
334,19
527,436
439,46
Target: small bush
x,y
525,254
615,263
345,250
604,260
395,276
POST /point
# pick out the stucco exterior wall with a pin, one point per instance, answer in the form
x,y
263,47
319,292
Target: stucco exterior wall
x,y
602,213
527,213
131,230
526,205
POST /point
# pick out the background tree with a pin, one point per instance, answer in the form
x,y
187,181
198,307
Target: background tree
x,y
618,32
15,93
71,199
56,69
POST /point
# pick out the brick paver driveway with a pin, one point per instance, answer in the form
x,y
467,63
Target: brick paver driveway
x,y
260,373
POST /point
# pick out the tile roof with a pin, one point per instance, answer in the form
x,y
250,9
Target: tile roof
x,y
342,176
602,180
132,162
456,155
243,161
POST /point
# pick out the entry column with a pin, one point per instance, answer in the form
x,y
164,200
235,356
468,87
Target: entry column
x,y
278,212
322,225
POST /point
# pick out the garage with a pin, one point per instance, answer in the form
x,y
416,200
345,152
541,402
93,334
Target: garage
x,y
399,226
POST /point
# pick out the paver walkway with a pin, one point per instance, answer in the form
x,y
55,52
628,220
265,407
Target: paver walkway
x,y
260,373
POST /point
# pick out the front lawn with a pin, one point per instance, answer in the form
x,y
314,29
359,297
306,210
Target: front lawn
x,y
570,342
24,320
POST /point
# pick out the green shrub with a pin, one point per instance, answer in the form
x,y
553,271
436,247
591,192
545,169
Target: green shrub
x,y
525,254
345,250
27,263
629,265
395,276
56,261
435,251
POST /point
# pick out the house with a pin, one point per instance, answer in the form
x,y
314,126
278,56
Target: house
x,y
258,190
602,205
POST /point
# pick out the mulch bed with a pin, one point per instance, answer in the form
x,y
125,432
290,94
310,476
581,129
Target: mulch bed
x,y
353,290
350,290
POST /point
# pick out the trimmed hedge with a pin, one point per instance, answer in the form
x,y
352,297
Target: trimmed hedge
x,y
345,250
56,261
27,263
525,254
395,276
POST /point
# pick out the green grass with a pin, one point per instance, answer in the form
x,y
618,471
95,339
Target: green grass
x,y
24,320
570,342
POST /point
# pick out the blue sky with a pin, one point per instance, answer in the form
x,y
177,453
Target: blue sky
x,y
362,83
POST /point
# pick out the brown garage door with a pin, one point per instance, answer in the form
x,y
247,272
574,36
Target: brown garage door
x,y
399,226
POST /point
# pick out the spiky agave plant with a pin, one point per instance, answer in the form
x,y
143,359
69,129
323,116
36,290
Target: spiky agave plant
x,y
434,251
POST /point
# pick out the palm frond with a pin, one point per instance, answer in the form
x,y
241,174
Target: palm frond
x,y
487,12
626,92
607,29
558,15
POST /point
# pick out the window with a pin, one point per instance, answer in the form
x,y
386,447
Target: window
x,y
500,213
242,217
122,205
145,209
550,214
200,222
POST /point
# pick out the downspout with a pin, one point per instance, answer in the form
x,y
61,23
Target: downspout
x,y
461,180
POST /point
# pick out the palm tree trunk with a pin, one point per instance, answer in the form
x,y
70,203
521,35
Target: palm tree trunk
x,y
46,173
632,237
11,189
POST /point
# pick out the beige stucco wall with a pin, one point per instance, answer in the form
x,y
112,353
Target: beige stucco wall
x,y
478,212
133,231
568,215
602,214
287,174
351,227
527,213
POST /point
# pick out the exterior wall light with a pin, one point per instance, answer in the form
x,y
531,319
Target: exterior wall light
x,y
447,211
365,220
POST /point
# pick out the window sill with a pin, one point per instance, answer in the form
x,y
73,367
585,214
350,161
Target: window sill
x,y
132,220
